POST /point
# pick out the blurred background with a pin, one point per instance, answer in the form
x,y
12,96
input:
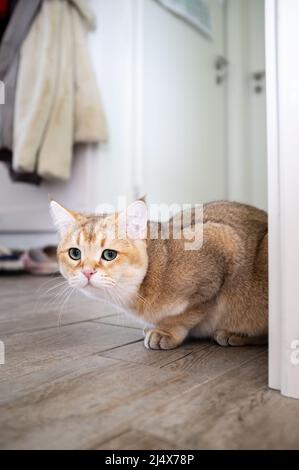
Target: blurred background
x,y
181,90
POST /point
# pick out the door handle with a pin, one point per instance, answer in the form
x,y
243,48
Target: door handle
x,y
258,81
221,64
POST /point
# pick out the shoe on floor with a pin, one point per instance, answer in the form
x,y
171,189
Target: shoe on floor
x,y
11,261
41,260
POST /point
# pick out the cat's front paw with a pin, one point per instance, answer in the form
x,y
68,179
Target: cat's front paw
x,y
158,339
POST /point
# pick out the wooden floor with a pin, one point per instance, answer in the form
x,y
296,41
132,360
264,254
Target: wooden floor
x,y
90,384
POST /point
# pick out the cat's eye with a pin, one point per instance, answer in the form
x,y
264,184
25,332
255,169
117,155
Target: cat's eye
x,y
109,255
75,254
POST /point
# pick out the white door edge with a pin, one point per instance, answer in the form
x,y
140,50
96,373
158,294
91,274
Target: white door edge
x,y
283,190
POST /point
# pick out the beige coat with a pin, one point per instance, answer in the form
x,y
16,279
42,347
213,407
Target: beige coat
x,y
57,100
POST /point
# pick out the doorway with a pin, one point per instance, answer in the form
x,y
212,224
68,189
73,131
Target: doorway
x,y
201,123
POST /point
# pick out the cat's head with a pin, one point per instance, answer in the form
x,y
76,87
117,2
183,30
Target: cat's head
x,y
103,255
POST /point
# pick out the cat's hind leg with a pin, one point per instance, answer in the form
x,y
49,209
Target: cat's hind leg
x,y
226,338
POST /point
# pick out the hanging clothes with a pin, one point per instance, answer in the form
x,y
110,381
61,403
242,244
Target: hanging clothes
x,y
57,101
15,21
5,13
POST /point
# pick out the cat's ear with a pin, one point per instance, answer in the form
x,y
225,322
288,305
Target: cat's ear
x,y
143,198
136,217
62,218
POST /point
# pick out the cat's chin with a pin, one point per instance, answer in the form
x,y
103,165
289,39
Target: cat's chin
x,y
93,292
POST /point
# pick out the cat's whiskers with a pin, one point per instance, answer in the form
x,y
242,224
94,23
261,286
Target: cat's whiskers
x,y
65,299
55,287
54,301
76,281
43,295
105,277
107,283
104,281
54,277
123,300
139,296
116,299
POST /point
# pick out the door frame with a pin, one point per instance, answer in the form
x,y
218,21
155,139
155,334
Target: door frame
x,y
283,192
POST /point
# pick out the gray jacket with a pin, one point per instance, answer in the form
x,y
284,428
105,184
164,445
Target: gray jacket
x,y
11,43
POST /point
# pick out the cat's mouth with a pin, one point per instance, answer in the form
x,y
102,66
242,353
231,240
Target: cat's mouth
x,y
81,285
91,284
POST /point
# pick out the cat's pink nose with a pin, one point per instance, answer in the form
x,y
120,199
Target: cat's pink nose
x,y
88,273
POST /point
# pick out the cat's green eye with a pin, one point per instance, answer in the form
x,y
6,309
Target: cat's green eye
x,y
109,255
75,254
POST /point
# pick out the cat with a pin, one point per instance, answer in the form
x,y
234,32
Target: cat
x,y
219,291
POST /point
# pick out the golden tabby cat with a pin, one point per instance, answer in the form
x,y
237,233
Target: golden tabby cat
x,y
219,291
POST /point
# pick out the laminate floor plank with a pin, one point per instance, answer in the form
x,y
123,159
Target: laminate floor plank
x,y
29,305
26,353
140,355
136,440
202,360
262,420
120,319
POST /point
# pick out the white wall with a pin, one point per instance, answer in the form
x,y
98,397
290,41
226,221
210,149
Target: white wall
x,y
24,215
99,174
110,167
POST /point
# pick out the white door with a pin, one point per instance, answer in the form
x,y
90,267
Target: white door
x,y
247,154
199,140
182,151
